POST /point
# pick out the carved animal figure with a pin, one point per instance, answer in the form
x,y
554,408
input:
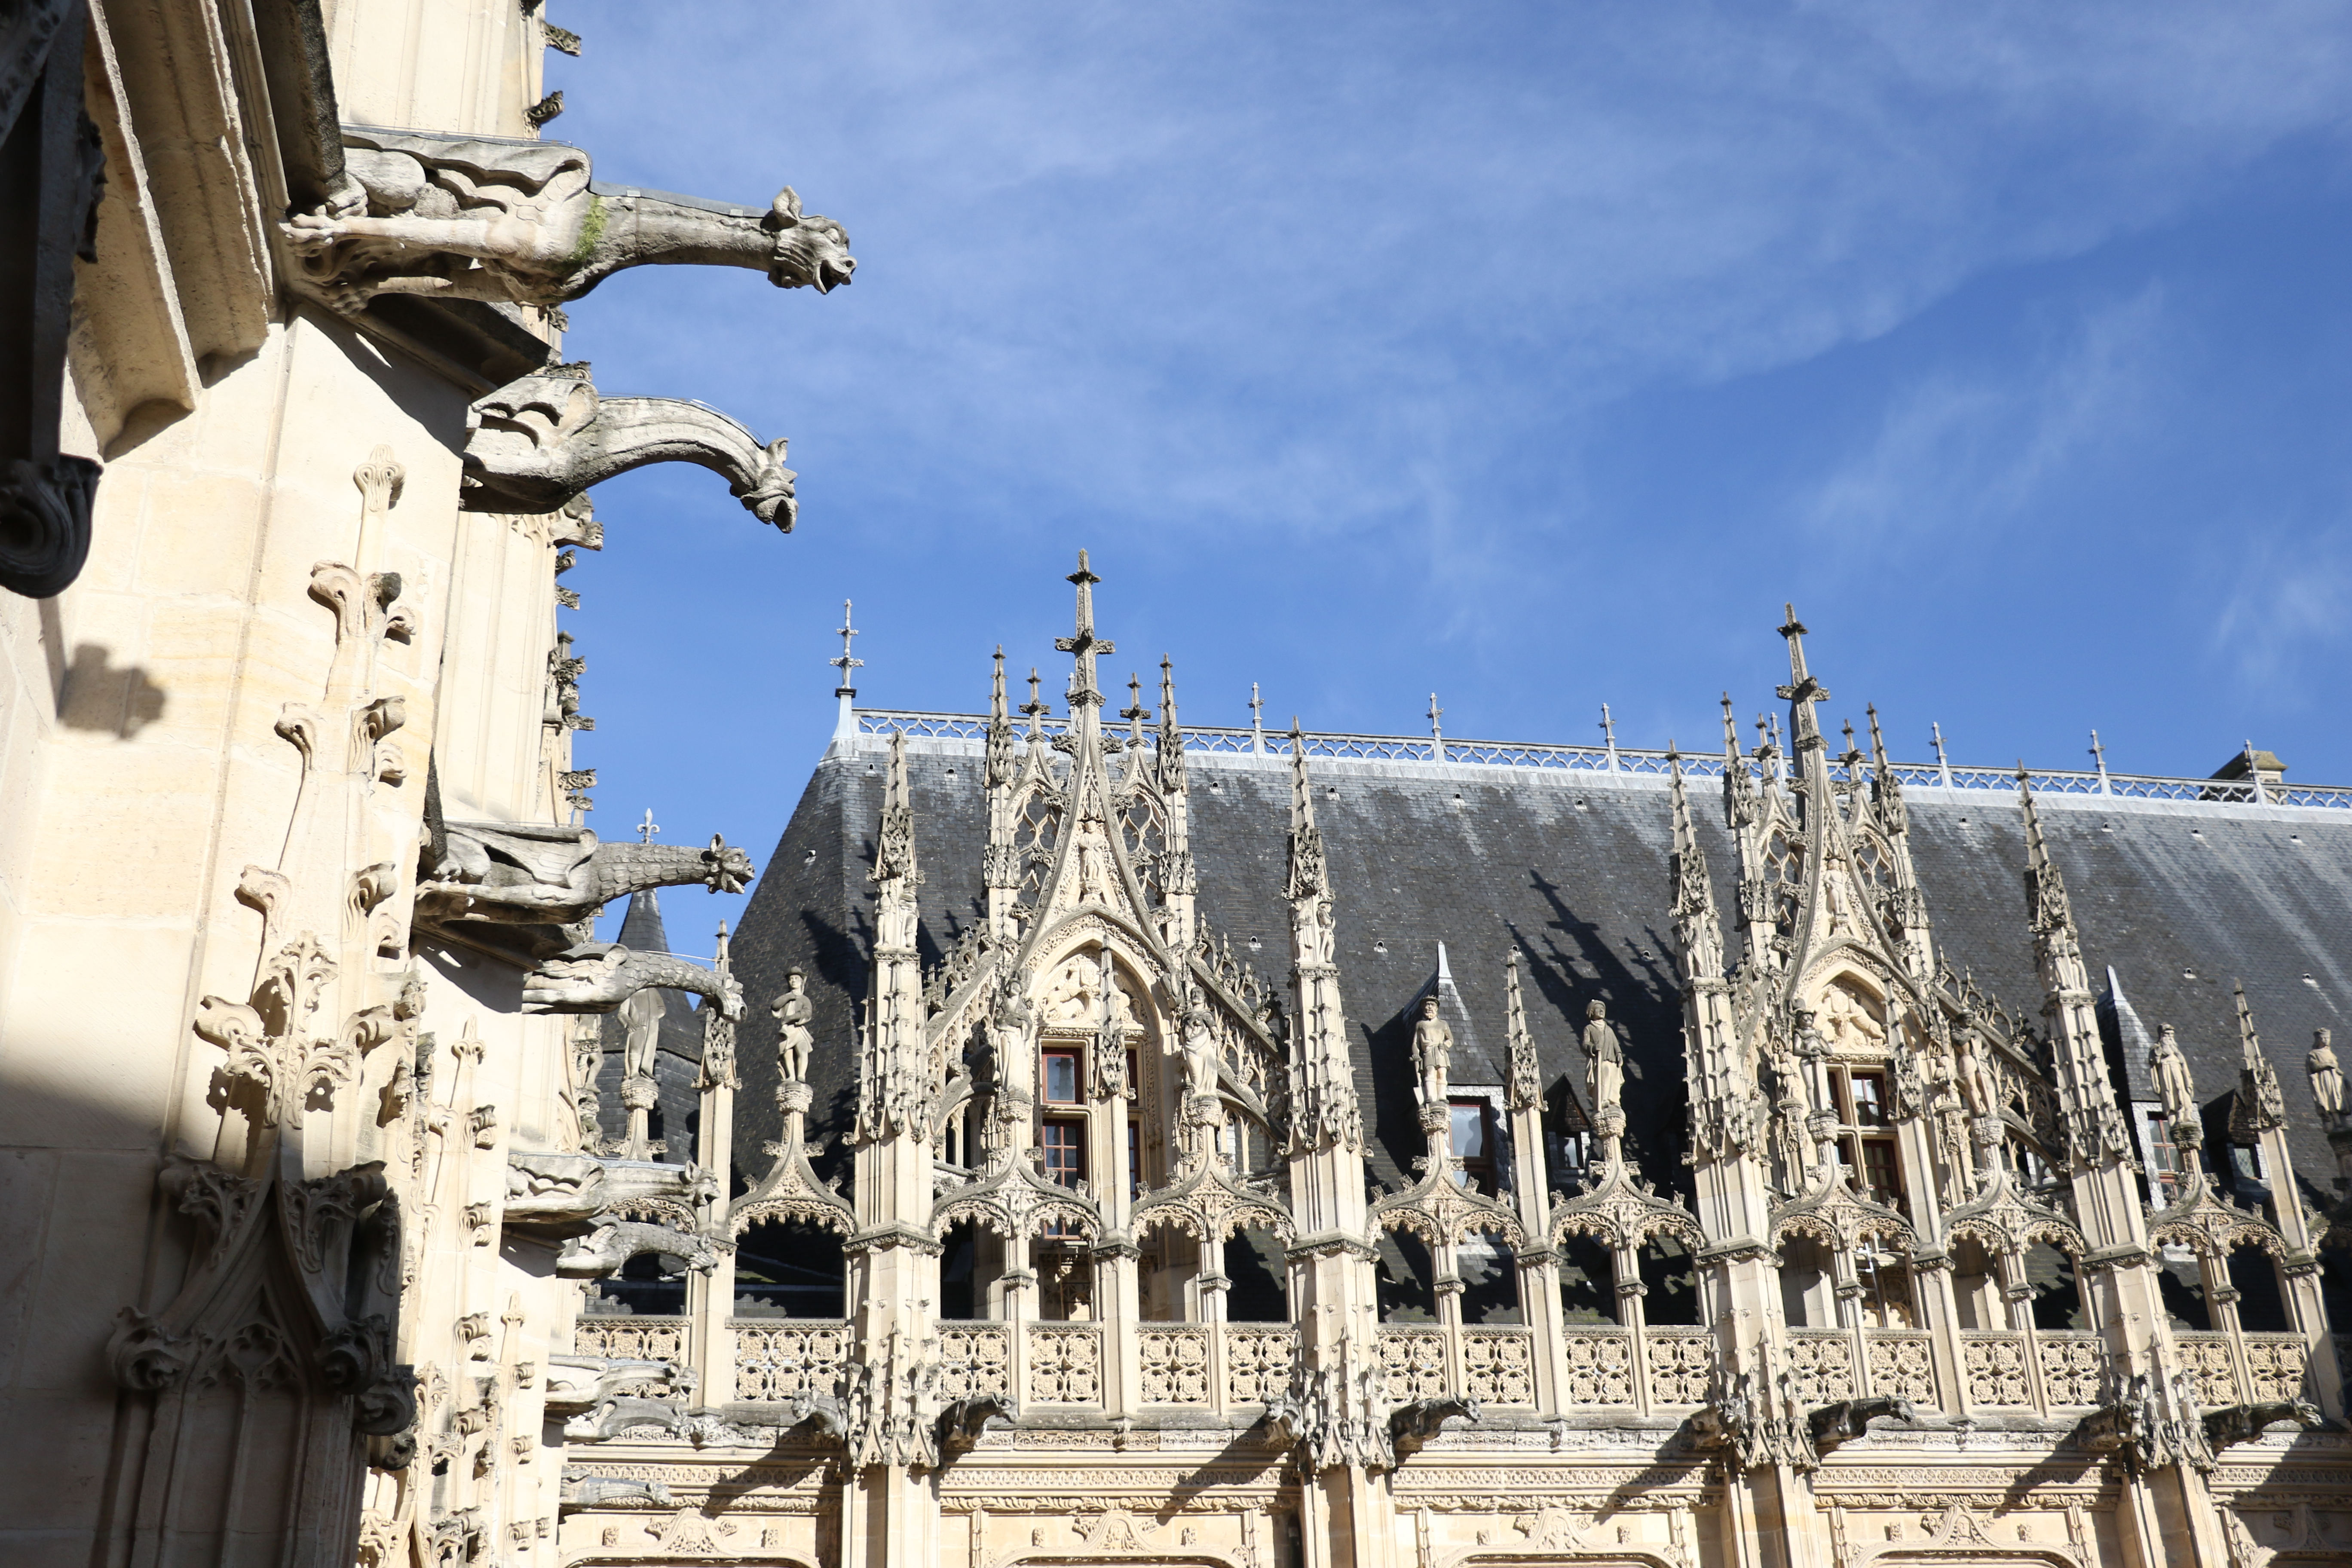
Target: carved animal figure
x,y
522,223
582,1490
578,1384
536,444
616,1416
962,1423
527,873
2245,1423
598,976
821,1413
1834,1426
1414,1424
602,1253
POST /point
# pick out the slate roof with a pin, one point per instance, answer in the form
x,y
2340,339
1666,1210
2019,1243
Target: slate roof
x,y
1570,869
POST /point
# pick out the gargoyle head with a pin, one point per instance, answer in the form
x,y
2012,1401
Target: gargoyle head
x,y
809,252
725,868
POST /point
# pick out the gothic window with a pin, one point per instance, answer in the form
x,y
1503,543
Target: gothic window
x,y
1065,1150
788,1268
1885,1279
1147,835
1473,1146
1061,1078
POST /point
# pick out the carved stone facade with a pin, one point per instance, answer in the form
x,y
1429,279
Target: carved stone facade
x,y
302,1141
1219,1148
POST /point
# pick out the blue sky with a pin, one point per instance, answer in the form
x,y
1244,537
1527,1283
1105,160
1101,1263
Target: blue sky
x,y
1532,355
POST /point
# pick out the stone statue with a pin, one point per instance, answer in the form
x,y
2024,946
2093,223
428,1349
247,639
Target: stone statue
x,y
1604,1053
2326,1078
537,443
641,1017
2169,1070
1013,1030
1433,1052
519,223
1199,1055
1977,1089
793,1012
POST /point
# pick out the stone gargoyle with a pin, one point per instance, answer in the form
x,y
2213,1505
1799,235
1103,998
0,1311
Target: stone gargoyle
x,y
579,1383
555,1196
522,223
617,1415
820,1413
598,976
534,445
962,1423
531,873
1414,1424
582,1490
604,1251
2245,1423
1832,1426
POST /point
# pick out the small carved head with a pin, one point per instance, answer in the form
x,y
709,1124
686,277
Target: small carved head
x,y
726,869
809,252
1596,1009
1429,1006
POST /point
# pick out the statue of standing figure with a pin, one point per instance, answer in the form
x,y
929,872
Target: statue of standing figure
x,y
2169,1070
1978,1089
1604,1060
2326,1078
794,1012
1199,1055
1433,1052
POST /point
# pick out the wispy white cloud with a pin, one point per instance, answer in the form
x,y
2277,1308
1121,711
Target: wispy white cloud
x,y
1959,453
2288,606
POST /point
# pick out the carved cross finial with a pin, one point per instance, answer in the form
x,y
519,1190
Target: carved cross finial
x,y
1257,720
1802,691
1034,707
1135,712
649,828
1084,644
846,663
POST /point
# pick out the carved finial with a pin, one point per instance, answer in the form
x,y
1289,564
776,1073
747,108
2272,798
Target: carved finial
x,y
2045,885
1608,735
846,663
1034,708
649,828
1084,644
1135,712
1802,691
1877,741
1171,736
1257,720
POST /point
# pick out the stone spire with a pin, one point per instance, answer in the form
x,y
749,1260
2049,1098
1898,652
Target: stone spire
x,y
846,689
2098,1144
1802,691
1722,1121
895,1093
1326,1112
1525,1088
1180,881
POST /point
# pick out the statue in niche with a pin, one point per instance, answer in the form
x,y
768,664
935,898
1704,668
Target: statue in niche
x,y
2326,1078
1604,1060
2167,1071
793,1012
1011,1029
641,1017
1432,1051
1978,1090
1201,1055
